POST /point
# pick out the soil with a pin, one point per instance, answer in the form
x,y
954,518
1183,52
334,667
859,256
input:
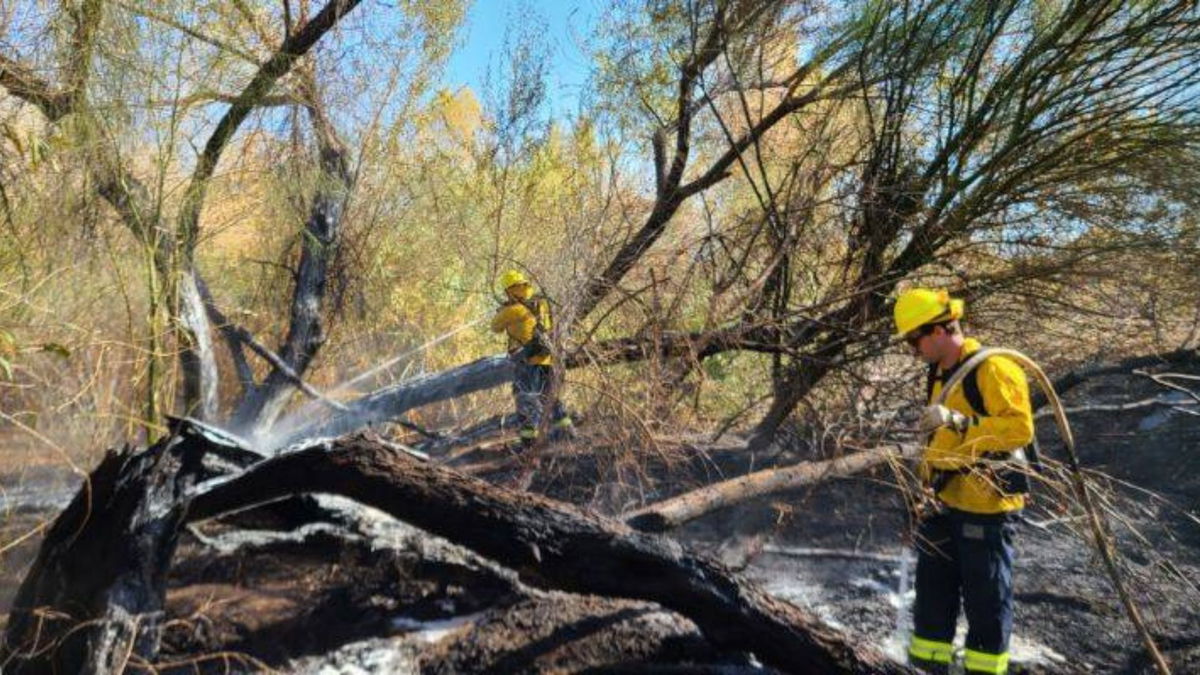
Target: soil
x,y
272,590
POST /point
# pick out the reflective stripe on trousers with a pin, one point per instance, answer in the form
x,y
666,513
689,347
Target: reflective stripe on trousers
x,y
933,651
982,662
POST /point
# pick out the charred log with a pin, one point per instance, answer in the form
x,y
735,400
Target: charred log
x,y
390,402
94,596
1080,375
554,545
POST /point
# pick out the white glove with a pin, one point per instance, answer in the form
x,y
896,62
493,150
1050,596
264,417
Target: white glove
x,y
937,416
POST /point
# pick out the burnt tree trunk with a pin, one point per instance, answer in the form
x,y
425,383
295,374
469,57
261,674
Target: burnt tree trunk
x,y
318,246
556,546
94,596
390,402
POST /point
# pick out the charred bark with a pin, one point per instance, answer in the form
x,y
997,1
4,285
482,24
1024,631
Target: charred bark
x,y
557,546
93,599
198,361
1078,376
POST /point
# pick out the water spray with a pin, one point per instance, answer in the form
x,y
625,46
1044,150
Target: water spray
x,y
404,355
903,615
283,427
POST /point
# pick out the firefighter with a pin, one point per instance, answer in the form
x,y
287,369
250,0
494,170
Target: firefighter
x,y
970,467
525,318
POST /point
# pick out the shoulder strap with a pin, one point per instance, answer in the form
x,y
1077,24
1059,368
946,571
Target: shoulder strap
x,y
971,390
538,307
970,387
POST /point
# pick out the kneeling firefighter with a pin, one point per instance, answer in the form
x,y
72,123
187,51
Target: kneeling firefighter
x,y
525,317
974,465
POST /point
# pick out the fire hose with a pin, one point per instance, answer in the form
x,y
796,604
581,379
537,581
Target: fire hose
x,y
1078,482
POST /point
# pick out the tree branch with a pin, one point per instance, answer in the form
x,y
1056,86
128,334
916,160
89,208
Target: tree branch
x,y
297,45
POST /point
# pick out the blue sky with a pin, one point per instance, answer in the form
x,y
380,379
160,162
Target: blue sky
x,y
481,40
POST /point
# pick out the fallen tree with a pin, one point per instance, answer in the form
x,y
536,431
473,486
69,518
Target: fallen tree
x,y
92,598
388,403
555,546
1077,376
673,512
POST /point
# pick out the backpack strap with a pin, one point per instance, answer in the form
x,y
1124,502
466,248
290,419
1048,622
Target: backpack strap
x,y
1011,467
930,377
970,387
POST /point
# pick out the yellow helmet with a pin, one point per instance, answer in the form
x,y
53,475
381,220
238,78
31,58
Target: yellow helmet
x,y
919,306
512,278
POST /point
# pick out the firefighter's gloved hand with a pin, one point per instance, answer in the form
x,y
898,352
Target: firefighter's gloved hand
x,y
937,416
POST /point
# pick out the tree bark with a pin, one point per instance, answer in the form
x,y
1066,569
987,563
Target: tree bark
x,y
262,404
94,596
557,546
199,361
673,512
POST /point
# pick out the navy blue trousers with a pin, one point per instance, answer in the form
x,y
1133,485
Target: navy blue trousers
x,y
965,558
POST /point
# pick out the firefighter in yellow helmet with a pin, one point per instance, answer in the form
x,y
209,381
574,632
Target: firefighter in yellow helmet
x,y
964,544
525,318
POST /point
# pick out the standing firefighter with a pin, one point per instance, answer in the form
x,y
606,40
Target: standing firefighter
x,y
525,317
972,466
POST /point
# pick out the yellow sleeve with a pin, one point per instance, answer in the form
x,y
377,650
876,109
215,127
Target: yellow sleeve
x,y
504,316
1008,424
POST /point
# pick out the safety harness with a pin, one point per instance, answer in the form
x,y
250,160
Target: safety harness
x,y
1010,468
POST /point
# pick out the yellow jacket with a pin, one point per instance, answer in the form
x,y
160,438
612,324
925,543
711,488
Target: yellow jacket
x,y
1007,426
515,319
